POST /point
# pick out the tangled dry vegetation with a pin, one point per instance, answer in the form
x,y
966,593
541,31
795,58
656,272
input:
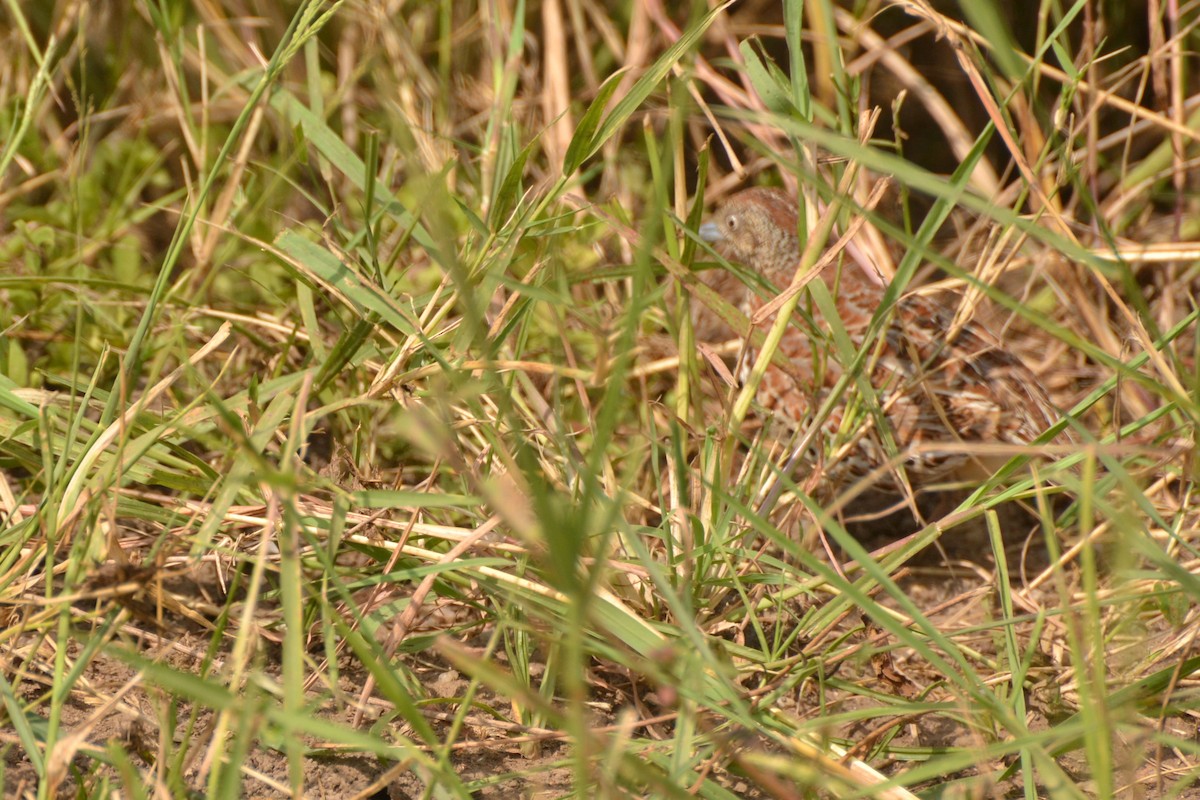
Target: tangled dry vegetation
x,y
372,420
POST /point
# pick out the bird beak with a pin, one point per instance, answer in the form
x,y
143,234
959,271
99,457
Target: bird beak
x,y
710,233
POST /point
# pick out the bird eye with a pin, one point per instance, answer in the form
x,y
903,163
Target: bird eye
x,y
731,223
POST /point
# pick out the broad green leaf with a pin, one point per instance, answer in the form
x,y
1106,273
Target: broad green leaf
x,y
640,91
325,267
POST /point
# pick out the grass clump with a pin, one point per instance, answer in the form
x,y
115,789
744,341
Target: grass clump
x,y
360,430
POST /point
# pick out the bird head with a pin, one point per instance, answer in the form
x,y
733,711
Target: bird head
x,y
756,227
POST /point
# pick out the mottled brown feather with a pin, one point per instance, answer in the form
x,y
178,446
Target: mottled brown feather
x,y
930,391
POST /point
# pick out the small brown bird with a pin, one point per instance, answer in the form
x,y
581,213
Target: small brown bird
x,y
931,391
